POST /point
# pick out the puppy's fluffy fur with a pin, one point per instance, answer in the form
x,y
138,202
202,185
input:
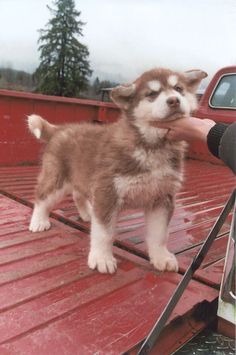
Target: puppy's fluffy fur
x,y
126,164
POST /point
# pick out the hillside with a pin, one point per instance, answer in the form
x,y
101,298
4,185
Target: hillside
x,y
12,79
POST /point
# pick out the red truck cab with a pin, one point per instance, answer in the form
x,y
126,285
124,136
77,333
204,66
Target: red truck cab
x,y
219,100
217,103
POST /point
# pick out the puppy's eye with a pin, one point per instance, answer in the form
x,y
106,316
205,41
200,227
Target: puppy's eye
x,y
152,94
178,88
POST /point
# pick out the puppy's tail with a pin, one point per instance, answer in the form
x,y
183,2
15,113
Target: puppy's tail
x,y
41,128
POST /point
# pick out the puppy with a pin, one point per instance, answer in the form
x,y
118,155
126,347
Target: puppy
x,y
126,164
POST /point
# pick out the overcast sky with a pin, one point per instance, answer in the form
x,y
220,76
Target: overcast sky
x,y
126,37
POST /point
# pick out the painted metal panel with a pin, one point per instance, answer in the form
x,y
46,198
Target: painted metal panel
x,y
198,205
220,115
50,302
17,146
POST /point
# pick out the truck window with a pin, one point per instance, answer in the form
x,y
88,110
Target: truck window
x,y
224,95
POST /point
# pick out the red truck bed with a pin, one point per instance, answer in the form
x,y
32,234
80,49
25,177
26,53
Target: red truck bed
x,y
52,303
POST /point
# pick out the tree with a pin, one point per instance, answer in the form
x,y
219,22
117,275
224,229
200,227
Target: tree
x,y
64,68
96,85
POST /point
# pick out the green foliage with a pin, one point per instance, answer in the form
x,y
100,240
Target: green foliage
x,y
99,90
64,69
12,79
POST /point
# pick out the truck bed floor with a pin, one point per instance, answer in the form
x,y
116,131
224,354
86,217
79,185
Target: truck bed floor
x,y
50,300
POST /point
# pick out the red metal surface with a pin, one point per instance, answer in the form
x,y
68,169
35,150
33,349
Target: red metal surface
x,y
50,302
210,272
226,328
15,139
198,205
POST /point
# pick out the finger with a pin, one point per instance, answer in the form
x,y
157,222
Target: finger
x,y
159,125
208,121
172,135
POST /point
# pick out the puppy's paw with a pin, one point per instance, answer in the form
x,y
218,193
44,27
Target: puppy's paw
x,y
165,261
39,225
103,263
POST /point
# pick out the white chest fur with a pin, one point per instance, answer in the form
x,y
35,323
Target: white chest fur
x,y
157,179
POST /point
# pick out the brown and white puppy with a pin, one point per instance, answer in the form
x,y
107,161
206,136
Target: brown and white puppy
x,y
126,164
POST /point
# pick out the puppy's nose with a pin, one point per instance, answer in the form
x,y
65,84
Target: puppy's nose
x,y
173,101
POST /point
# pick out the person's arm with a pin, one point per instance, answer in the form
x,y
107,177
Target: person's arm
x,y
221,141
186,128
214,137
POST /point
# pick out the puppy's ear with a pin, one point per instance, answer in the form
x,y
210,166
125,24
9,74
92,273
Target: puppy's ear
x,y
194,78
122,94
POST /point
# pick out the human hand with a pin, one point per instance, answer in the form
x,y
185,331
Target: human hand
x,y
186,128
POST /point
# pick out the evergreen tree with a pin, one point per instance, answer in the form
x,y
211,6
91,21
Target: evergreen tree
x,y
96,85
64,69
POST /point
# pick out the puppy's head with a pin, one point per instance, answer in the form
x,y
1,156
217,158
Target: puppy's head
x,y
159,94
